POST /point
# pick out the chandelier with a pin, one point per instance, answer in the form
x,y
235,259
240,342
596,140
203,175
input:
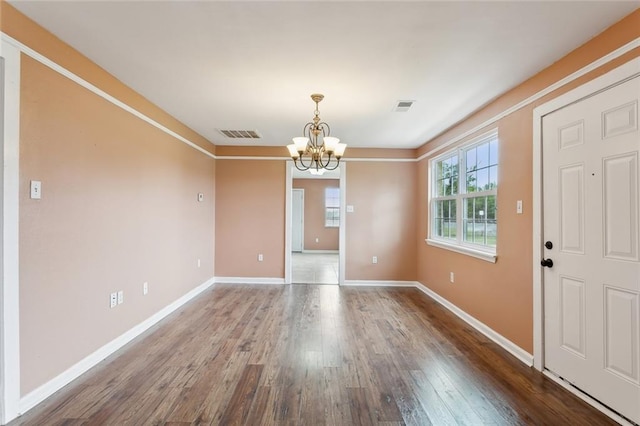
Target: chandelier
x,y
310,152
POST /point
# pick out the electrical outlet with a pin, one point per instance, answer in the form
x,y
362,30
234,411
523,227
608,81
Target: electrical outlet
x,y
198,263
200,196
317,240
113,300
260,257
452,277
519,207
120,297
374,259
145,288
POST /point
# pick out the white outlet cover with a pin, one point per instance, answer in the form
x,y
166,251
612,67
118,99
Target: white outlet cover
x,y
200,196
113,300
349,209
120,297
145,288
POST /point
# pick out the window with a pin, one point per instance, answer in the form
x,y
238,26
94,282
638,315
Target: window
x,y
463,201
332,207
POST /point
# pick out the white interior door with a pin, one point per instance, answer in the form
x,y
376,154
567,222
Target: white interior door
x,y
592,290
297,220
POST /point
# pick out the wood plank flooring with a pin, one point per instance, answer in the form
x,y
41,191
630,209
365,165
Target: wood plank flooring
x,y
312,355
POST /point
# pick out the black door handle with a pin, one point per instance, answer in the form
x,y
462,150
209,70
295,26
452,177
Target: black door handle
x,y
547,263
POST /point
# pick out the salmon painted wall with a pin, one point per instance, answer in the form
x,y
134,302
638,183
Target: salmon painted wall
x,y
383,222
314,193
250,218
119,208
501,294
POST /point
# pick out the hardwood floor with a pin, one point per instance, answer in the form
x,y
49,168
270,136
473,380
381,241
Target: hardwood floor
x,y
312,355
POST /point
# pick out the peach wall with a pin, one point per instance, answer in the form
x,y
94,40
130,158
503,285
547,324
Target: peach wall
x,y
501,295
383,222
250,218
314,197
119,207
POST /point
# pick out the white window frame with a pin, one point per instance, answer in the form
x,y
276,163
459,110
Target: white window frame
x,y
458,245
334,224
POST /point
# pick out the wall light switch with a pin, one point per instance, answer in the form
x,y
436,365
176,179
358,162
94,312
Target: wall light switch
x,y
113,300
200,196
374,259
145,288
120,297
36,189
519,207
349,209
260,257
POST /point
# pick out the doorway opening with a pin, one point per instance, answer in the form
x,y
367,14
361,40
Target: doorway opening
x,y
315,227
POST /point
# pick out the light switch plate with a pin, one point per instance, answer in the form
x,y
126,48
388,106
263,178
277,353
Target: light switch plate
x,y
200,196
349,209
36,189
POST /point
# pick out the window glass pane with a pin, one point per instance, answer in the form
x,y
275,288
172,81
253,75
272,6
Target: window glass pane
x,y
493,177
471,160
493,152
471,181
445,218
482,179
482,155
480,226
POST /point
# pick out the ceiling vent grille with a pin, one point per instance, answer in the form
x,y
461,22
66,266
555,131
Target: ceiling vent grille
x,y
240,134
403,106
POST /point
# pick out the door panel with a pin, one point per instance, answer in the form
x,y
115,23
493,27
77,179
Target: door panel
x,y
591,202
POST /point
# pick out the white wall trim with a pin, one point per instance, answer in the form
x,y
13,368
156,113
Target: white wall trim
x,y
77,79
586,398
41,393
613,77
533,98
9,217
342,231
493,335
321,251
380,283
288,218
249,280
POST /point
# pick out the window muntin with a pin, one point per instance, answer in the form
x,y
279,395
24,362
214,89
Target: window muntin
x,y
465,213
332,207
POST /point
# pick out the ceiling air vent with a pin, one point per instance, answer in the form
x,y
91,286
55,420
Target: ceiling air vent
x,y
403,106
240,134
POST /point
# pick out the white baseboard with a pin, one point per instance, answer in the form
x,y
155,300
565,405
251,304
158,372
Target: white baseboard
x,y
38,395
586,398
505,343
248,280
377,283
321,251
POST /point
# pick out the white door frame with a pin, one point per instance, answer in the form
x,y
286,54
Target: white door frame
x,y
302,213
287,226
611,78
9,237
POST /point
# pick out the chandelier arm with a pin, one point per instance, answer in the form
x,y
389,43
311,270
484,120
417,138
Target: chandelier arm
x,y
334,167
303,168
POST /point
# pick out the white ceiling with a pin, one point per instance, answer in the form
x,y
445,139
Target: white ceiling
x,y
252,65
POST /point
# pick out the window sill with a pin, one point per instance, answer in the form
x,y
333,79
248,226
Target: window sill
x,y
478,254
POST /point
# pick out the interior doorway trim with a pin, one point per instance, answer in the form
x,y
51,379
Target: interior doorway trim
x,y
9,236
616,76
288,223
